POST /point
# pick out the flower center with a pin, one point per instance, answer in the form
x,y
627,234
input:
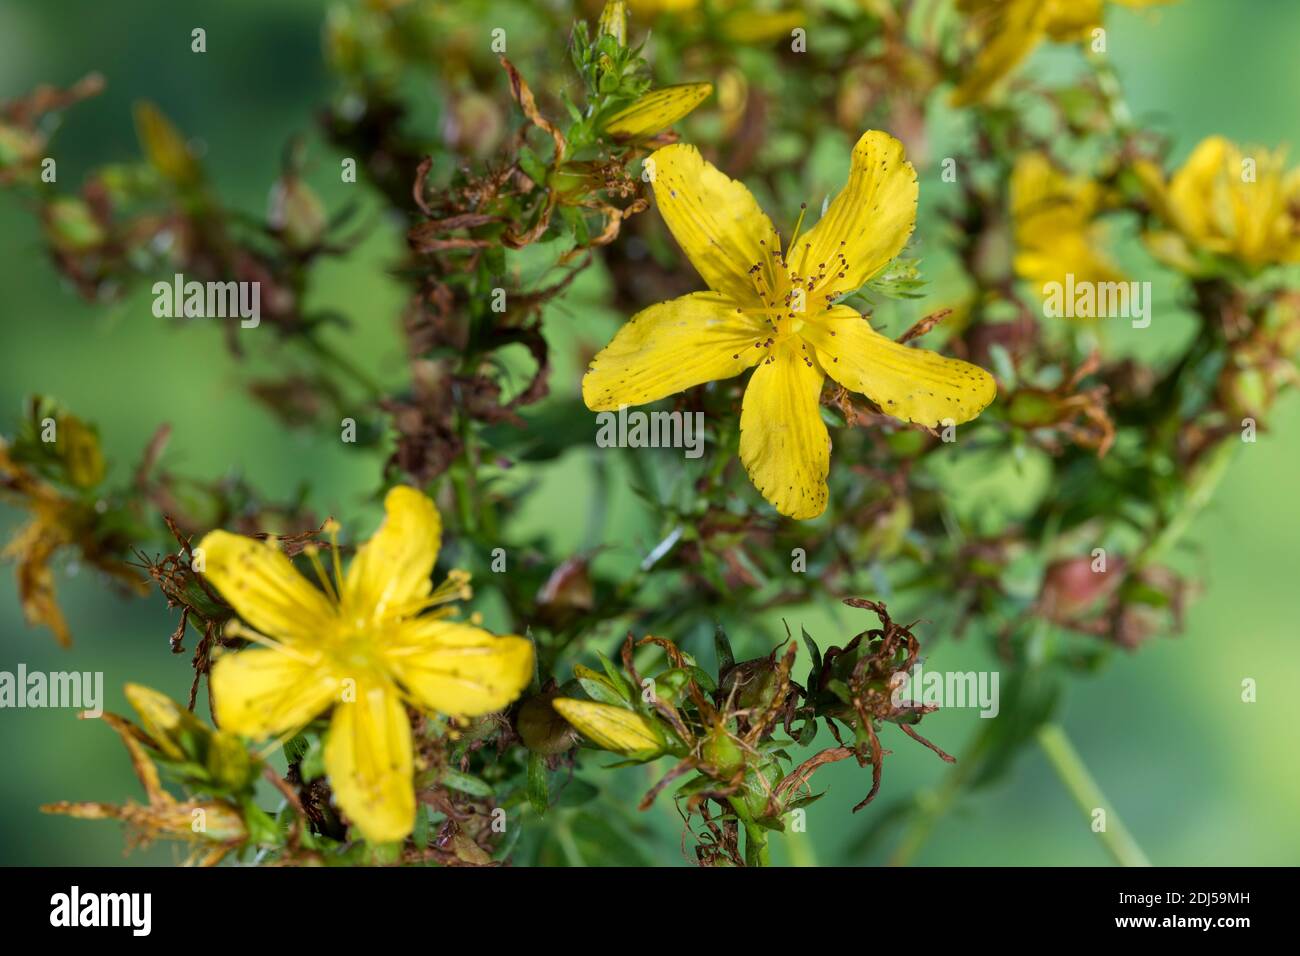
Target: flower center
x,y
355,650
791,287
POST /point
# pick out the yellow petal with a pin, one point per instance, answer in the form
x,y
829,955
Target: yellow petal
x,y
34,546
259,582
1055,231
1193,187
1071,253
609,727
1046,201
1151,180
1069,20
260,693
783,441
657,110
649,8
370,766
671,347
164,720
1262,224
907,383
460,670
164,146
714,219
868,223
389,576
1006,31
760,26
1172,249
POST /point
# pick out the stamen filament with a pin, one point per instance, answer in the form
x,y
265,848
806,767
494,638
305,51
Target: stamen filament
x,y
332,529
455,588
803,210
313,555
237,628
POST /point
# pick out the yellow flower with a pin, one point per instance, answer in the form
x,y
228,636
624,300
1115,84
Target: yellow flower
x,y
1053,217
1007,31
363,647
611,727
776,311
1240,205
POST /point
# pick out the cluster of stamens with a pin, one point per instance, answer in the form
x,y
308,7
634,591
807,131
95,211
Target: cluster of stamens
x,y
789,294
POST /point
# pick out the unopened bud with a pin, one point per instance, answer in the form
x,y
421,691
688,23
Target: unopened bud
x,y
613,21
296,213
611,727
542,730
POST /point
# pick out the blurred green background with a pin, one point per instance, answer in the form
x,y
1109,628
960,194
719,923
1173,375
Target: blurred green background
x,y
1198,776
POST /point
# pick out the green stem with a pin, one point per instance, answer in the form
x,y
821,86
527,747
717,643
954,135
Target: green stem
x,y
567,844
1200,490
1072,771
757,851
936,804
801,848
345,365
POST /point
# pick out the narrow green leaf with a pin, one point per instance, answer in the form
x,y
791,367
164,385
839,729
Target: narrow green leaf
x,y
465,783
722,644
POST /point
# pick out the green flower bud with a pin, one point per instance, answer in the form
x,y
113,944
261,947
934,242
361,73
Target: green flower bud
x,y
17,147
754,682
542,730
83,461
181,737
72,226
165,147
722,752
296,213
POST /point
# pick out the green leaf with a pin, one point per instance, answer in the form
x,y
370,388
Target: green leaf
x,y
421,832
532,165
465,783
576,221
601,843
704,679
901,279
615,677
832,416
295,748
722,645
805,801
813,650
840,690
576,793
313,761
1003,367
601,691
806,733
